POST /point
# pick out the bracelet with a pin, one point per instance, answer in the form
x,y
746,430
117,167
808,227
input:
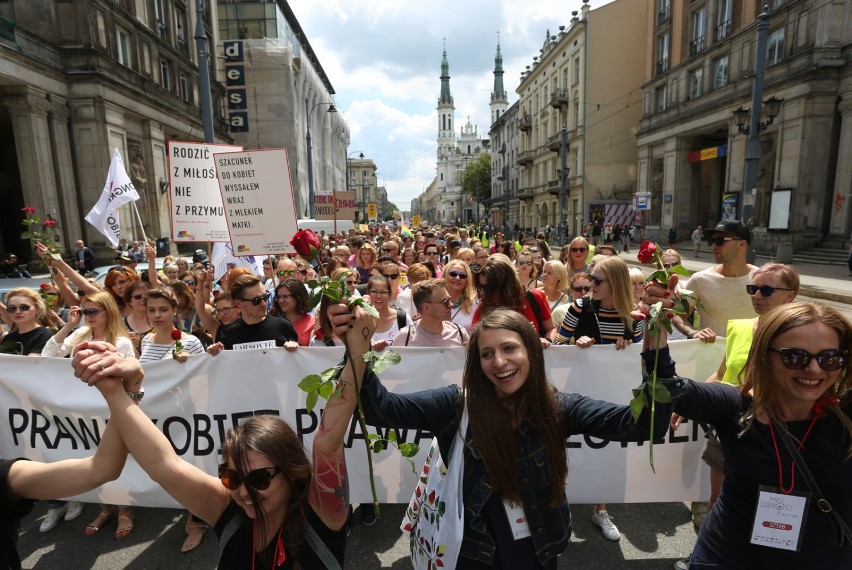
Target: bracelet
x,y
136,396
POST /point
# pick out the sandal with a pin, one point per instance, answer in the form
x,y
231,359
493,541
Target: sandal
x,y
125,523
95,526
194,535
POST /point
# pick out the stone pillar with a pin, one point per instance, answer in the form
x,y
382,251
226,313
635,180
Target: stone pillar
x,y
29,109
70,213
839,223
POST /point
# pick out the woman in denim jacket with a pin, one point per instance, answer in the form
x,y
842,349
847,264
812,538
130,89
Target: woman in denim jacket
x,y
509,400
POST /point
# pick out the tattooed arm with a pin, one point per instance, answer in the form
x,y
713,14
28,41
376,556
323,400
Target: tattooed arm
x,y
329,491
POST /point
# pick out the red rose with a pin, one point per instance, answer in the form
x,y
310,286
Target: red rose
x,y
28,210
50,223
647,251
307,243
176,334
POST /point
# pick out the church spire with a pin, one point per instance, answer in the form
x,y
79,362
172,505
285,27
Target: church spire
x,y
445,79
499,91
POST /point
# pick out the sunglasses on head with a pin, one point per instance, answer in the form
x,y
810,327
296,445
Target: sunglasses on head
x,y
121,268
258,479
91,312
765,290
720,241
799,358
457,275
258,300
18,308
582,289
579,250
597,280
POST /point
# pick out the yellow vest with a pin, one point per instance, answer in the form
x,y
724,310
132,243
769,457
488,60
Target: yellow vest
x,y
737,346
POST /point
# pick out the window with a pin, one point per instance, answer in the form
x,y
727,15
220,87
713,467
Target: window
x,y
775,47
166,75
660,98
576,70
122,47
146,59
699,31
664,11
720,75
663,53
101,29
183,82
723,19
160,19
696,83
180,31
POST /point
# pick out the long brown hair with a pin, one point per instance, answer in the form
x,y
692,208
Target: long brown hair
x,y
273,438
491,417
502,287
759,380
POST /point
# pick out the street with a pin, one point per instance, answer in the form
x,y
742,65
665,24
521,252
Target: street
x,y
653,537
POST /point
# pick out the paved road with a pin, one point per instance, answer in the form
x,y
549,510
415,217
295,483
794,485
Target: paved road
x,y
654,536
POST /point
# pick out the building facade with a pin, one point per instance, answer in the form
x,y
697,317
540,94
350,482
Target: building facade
x,y
585,81
364,182
699,69
278,90
505,138
79,78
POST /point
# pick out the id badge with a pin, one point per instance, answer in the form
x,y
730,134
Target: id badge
x,y
780,518
517,521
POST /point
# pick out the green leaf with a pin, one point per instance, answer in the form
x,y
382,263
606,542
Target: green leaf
x,y
638,404
681,270
391,356
333,294
328,374
310,383
378,446
667,322
313,283
661,394
337,392
325,280
658,275
316,297
311,401
409,449
371,310
27,235
325,390
372,436
36,219
391,436
369,356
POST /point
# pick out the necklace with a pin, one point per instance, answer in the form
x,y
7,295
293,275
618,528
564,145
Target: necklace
x,y
458,303
280,555
789,489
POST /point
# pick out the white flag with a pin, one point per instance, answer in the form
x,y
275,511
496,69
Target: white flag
x,y
223,255
118,190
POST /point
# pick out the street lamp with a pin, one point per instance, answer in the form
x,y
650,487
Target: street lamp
x,y
742,115
308,111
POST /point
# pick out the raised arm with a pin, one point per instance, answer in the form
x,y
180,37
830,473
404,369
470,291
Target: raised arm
x,y
199,492
202,297
329,491
151,254
69,297
57,262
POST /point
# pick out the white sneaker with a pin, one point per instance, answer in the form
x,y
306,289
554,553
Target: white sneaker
x,y
608,528
682,564
75,509
51,519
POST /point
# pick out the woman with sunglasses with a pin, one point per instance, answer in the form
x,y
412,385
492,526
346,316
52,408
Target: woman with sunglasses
x,y
433,255
574,255
527,270
459,280
103,322
291,302
271,506
796,394
24,313
390,320
392,271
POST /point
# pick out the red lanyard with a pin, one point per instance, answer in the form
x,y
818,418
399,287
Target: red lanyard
x,y
789,489
280,554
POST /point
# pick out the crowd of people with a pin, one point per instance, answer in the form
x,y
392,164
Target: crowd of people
x,y
785,373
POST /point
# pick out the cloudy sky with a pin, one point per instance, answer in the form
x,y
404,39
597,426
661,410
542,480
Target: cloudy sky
x,y
383,58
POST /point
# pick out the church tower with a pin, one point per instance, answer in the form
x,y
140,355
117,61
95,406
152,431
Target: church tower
x,y
446,112
499,99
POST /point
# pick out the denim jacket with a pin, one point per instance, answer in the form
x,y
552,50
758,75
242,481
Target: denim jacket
x,y
438,411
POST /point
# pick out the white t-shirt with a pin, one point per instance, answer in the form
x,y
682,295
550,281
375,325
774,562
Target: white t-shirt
x,y
391,333
123,345
463,319
722,298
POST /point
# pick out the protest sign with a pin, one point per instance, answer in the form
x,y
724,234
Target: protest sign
x,y
331,205
196,209
197,402
258,198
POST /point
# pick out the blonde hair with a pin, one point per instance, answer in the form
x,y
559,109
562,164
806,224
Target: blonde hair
x,y
560,272
37,301
115,325
469,292
618,275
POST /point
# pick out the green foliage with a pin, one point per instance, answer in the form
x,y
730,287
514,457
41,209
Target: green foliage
x,y
476,178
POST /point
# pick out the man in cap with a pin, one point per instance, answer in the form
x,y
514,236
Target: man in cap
x,y
12,270
127,259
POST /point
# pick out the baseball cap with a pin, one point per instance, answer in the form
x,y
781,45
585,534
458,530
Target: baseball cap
x,y
200,256
733,227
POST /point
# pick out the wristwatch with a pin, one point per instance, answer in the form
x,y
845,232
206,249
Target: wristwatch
x,y
137,396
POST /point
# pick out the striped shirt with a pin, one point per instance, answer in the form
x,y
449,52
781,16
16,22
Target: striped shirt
x,y
152,352
604,325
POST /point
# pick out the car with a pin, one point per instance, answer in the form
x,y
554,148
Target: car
x,y
7,285
99,273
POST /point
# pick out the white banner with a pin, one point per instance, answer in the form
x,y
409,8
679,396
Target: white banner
x,y
223,255
258,197
118,190
46,414
196,211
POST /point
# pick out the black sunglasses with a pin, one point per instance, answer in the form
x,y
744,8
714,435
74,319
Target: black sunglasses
x,y
578,250
597,280
457,275
392,275
258,300
582,289
670,265
90,312
258,479
15,308
720,241
798,358
765,290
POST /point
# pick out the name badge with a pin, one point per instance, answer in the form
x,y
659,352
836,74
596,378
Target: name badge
x,y
517,521
779,518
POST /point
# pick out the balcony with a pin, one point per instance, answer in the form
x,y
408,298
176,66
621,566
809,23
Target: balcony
x,y
664,15
553,187
183,47
525,193
662,65
526,157
559,99
554,143
525,123
7,31
723,30
162,31
696,46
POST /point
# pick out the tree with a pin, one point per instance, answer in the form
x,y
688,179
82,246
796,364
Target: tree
x,y
476,178
390,208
